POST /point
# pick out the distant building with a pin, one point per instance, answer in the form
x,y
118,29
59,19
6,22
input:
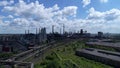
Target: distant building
x,y
21,42
104,56
81,31
42,36
100,34
0,48
6,49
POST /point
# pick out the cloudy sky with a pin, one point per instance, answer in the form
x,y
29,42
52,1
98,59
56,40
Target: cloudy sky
x,y
16,16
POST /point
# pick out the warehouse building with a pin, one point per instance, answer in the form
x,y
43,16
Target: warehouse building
x,y
106,57
116,46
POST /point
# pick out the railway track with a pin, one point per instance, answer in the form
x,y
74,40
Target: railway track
x,y
34,52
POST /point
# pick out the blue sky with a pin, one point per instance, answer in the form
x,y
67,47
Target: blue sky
x,y
16,16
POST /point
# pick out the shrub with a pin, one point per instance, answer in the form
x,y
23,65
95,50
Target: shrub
x,y
53,64
49,57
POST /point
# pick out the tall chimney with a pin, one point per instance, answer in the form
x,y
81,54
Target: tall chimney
x,y
36,30
39,30
28,32
25,32
63,28
52,28
60,30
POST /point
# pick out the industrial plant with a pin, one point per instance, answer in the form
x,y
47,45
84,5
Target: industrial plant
x,y
59,34
98,47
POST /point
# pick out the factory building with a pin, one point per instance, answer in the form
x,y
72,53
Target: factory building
x,y
21,42
106,57
116,46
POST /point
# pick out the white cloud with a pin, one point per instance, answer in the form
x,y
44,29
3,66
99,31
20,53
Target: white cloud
x,y
4,3
38,13
103,1
11,1
3,23
10,16
107,21
86,2
107,15
71,10
26,15
20,22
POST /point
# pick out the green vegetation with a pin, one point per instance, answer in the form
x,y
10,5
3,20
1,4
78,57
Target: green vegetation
x,y
5,55
64,57
1,66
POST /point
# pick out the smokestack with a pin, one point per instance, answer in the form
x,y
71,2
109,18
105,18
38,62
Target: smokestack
x,y
25,32
52,28
60,30
36,30
81,31
39,30
63,28
28,31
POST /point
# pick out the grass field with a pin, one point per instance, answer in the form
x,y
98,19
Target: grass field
x,y
64,57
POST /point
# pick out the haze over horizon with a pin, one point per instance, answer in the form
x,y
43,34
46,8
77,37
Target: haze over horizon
x,y
16,16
